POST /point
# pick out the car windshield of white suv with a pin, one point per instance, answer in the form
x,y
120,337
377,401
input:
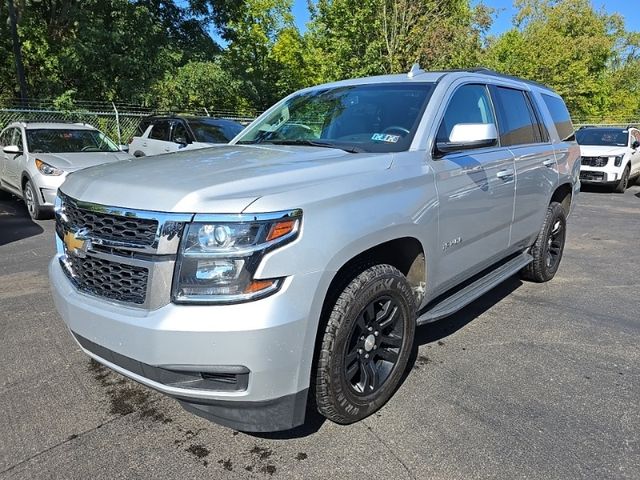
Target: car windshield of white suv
x,y
358,118
68,141
605,137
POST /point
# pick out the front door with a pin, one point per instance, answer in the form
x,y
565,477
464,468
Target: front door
x,y
12,161
475,192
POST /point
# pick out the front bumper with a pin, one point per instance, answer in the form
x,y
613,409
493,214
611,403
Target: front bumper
x,y
47,187
270,340
594,175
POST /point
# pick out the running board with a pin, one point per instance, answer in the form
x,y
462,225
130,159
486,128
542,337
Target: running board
x,y
468,294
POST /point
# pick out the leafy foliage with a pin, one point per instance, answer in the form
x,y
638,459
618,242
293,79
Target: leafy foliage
x,y
244,54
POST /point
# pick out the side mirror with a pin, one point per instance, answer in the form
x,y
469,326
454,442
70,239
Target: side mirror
x,y
465,136
635,144
12,149
123,148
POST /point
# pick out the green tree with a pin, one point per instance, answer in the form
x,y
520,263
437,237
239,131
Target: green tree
x,y
258,28
200,86
565,44
368,37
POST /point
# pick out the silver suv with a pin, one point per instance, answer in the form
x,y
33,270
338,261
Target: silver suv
x,y
292,266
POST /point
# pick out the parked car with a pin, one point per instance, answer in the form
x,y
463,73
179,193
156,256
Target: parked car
x,y
165,134
36,158
609,156
298,261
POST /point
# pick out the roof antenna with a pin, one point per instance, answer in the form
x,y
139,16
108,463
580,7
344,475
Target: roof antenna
x,y
415,70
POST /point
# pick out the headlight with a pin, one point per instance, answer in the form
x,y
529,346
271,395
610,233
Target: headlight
x,y
617,161
47,169
218,258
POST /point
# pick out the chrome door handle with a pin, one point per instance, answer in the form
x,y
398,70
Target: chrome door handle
x,y
505,174
549,163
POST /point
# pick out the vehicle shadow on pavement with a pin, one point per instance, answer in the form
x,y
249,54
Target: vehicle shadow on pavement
x,y
15,223
433,332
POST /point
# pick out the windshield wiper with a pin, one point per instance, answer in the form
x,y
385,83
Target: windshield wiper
x,y
316,143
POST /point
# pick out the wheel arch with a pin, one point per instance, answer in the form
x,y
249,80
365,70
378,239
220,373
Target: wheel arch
x,y
563,194
406,253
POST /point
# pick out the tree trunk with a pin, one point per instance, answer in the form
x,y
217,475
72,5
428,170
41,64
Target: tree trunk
x,y
17,52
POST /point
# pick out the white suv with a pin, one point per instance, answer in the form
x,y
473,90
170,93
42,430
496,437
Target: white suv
x,y
166,134
610,156
36,158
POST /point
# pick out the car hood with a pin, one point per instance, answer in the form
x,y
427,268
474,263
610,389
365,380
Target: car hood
x,y
70,162
601,151
224,179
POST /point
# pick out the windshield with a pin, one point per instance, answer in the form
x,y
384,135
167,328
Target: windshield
x,y
210,132
68,141
606,137
370,118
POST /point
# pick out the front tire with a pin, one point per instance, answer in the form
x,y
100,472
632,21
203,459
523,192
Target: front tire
x,y
366,345
623,184
548,247
30,197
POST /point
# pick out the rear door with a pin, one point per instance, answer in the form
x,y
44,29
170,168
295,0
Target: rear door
x,y
159,140
521,129
475,192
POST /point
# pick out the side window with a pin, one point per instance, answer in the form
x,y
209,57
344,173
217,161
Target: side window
x,y
4,138
516,121
160,130
469,104
561,117
179,133
17,138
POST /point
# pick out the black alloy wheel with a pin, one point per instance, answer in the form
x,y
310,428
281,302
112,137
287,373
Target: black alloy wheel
x,y
555,244
374,347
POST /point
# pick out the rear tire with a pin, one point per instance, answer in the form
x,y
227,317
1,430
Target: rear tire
x,y
366,345
548,247
623,184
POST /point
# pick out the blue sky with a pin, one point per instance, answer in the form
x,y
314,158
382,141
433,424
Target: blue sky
x,y
629,9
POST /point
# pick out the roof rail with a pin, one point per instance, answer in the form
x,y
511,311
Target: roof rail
x,y
488,71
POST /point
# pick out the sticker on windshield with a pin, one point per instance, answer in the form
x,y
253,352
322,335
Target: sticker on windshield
x,y
384,137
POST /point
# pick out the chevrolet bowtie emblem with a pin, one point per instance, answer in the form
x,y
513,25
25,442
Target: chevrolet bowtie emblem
x,y
77,243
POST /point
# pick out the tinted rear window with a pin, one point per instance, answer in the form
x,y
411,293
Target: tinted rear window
x,y
516,121
561,117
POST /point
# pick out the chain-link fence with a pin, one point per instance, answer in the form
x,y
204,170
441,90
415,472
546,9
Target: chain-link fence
x,y
120,127
119,122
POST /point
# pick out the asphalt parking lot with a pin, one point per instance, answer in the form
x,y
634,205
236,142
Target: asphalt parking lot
x,y
531,381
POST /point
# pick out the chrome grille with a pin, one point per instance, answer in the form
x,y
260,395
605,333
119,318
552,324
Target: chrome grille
x,y
594,161
115,281
120,254
133,231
